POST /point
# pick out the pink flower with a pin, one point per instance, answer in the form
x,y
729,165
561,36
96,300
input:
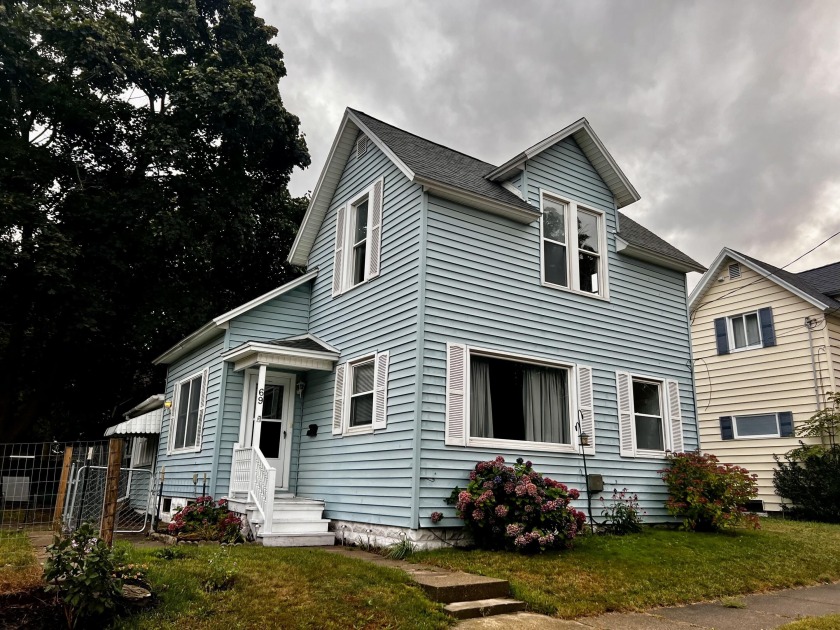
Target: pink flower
x,y
436,517
501,511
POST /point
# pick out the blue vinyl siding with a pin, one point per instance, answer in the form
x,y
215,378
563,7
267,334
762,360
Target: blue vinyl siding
x,y
366,477
483,289
180,467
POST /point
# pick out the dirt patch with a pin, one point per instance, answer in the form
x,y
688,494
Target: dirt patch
x,y
31,609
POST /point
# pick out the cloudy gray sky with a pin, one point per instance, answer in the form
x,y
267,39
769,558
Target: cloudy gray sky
x,y
724,115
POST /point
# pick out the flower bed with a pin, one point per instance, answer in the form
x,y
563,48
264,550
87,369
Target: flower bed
x,y
206,520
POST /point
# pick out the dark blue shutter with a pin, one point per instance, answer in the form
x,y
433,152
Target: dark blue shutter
x,y
768,333
726,432
785,424
721,336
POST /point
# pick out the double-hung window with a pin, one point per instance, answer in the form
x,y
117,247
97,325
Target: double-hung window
x,y
744,331
649,416
358,239
360,403
573,246
187,413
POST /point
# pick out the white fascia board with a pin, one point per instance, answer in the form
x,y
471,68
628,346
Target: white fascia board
x,y
213,327
717,265
382,146
251,347
506,170
151,403
642,253
520,215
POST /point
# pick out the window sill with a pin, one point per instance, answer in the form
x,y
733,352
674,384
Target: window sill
x,y
184,451
596,296
355,286
517,445
651,454
365,430
745,348
775,436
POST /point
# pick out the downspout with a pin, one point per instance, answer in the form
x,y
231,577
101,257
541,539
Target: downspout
x,y
808,323
220,417
421,346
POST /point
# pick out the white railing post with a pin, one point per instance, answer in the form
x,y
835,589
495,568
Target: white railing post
x,y
268,509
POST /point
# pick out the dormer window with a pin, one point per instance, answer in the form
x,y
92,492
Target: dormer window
x,y
573,245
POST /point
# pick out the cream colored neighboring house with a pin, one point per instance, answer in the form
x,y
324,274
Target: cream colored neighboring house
x,y
766,346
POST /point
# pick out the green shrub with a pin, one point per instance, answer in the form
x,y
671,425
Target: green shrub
x,y
622,515
809,477
80,570
708,495
515,507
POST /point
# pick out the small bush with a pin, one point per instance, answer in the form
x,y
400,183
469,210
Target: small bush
x,y
809,477
623,514
708,495
221,572
80,570
169,553
400,550
515,507
207,520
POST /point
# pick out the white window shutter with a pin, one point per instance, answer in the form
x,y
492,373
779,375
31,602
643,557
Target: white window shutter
x,y
586,405
456,401
338,259
380,392
338,400
675,416
173,416
202,404
375,231
624,387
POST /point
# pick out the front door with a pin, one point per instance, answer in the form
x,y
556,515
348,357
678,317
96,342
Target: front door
x,y
272,432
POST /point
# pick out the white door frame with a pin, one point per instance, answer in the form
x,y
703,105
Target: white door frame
x,y
246,424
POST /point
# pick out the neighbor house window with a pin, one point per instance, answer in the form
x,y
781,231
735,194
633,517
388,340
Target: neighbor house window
x,y
745,331
358,239
188,411
573,242
361,393
765,425
517,400
648,416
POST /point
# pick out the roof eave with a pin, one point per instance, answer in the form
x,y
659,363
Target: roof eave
x,y
514,213
190,342
643,253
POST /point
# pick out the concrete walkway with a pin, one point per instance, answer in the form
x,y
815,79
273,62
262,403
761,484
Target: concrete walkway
x,y
760,612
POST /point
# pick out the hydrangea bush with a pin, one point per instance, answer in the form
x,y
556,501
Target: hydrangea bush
x,y
206,520
515,507
708,495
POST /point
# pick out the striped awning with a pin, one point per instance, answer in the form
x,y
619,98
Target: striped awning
x,y
146,424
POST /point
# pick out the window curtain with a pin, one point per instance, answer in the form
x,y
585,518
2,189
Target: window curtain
x,y
481,407
544,394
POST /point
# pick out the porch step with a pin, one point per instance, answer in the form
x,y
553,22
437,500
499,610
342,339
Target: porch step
x,y
483,607
297,540
300,526
450,587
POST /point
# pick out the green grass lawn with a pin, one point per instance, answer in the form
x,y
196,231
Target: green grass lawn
x,y
19,569
658,567
829,622
282,588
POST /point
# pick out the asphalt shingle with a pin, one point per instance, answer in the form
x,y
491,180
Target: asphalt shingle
x,y
640,236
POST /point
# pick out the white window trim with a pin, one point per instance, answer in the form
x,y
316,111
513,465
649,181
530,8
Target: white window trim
x,y
572,250
173,418
766,436
348,389
666,417
522,445
730,332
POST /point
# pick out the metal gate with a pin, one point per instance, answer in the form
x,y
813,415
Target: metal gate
x,y
85,498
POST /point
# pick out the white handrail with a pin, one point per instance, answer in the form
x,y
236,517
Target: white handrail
x,y
251,474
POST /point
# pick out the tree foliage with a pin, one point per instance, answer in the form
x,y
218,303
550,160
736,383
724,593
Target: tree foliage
x,y
145,154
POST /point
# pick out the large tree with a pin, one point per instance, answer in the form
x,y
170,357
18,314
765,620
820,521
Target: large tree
x,y
145,154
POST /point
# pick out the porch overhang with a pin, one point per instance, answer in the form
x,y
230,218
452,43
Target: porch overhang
x,y
253,353
145,424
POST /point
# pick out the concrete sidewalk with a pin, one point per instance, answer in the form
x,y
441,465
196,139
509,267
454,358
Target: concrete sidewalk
x,y
762,611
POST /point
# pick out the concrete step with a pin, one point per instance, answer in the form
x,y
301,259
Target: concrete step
x,y
448,587
483,607
300,526
297,540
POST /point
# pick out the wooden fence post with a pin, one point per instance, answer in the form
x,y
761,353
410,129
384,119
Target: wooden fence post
x,y
112,490
62,489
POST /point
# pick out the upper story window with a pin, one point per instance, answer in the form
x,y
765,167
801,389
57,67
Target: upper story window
x,y
744,331
573,245
187,413
358,239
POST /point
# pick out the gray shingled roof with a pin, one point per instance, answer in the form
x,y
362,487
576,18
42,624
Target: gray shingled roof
x,y
640,236
301,343
439,163
825,279
795,280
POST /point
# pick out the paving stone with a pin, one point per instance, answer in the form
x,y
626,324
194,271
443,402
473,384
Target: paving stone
x,y
719,617
828,593
634,621
792,605
519,621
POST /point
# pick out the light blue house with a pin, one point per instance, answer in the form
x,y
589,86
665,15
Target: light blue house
x,y
450,311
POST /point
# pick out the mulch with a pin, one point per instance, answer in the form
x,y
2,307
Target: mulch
x,y
31,609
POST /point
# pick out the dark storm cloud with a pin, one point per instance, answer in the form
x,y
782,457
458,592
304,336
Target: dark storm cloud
x,y
725,116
